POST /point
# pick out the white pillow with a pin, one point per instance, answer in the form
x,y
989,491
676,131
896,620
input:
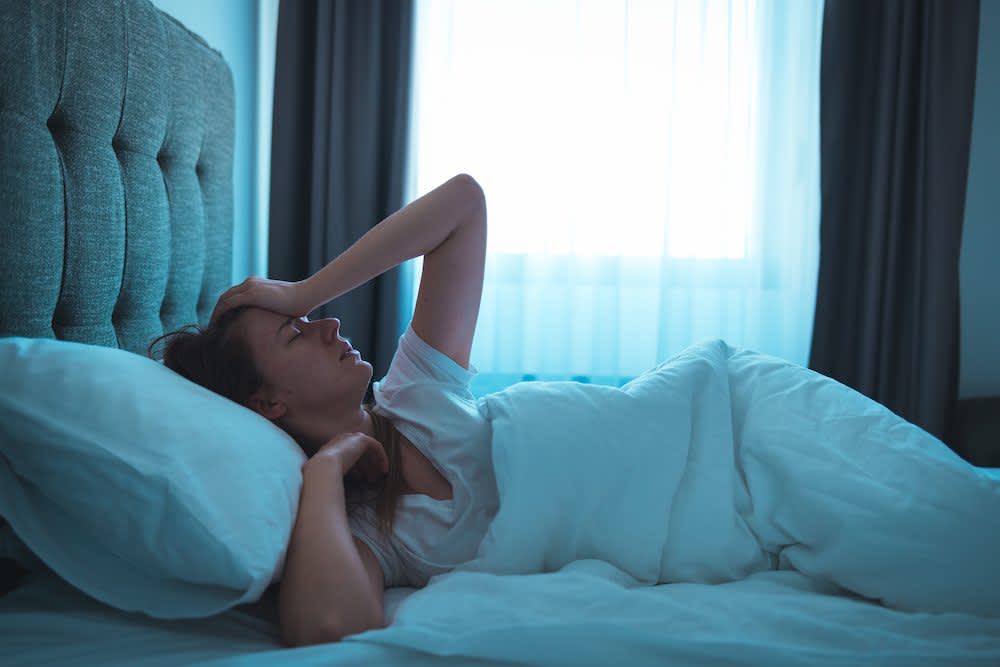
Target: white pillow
x,y
139,487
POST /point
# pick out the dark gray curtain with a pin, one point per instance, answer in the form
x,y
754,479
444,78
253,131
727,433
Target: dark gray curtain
x,y
341,105
896,100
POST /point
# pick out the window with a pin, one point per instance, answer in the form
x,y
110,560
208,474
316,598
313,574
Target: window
x,y
651,172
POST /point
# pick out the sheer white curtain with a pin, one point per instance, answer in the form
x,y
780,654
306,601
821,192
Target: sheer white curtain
x,y
651,170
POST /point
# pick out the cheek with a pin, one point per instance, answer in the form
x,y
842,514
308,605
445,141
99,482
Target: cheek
x,y
284,370
271,366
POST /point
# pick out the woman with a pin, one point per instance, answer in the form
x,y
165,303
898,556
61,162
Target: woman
x,y
262,351
712,466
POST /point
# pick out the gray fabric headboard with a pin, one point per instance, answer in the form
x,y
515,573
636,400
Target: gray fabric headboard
x,y
116,168
116,164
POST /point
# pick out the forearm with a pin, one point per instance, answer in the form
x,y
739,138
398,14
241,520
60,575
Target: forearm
x,y
413,231
324,592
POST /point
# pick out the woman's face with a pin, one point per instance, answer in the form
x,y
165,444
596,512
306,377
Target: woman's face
x,y
304,362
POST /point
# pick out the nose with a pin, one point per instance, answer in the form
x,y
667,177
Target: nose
x,y
331,326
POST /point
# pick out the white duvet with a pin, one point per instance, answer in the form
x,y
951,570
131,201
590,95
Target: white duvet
x,y
724,462
725,508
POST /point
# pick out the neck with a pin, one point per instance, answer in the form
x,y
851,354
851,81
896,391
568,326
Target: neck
x,y
318,432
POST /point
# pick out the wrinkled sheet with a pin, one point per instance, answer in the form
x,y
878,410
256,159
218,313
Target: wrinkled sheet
x,y
723,462
589,614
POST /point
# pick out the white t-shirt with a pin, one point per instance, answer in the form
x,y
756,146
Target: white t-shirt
x,y
426,395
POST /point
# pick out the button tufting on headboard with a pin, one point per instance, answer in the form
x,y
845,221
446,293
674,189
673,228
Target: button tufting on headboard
x,y
116,132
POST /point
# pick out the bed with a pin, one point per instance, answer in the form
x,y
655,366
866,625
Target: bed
x,y
116,217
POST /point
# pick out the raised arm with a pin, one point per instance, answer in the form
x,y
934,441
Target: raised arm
x,y
447,226
451,285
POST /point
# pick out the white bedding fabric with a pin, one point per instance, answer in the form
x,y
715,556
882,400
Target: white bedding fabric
x,y
588,614
709,471
723,462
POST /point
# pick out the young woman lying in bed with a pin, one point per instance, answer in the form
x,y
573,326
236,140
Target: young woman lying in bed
x,y
261,351
714,465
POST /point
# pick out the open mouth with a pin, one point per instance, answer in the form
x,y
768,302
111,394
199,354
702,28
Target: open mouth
x,y
348,350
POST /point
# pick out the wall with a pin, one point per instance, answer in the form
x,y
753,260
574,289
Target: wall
x,y
243,31
980,278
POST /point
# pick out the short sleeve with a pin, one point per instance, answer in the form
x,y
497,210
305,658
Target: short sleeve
x,y
417,362
362,525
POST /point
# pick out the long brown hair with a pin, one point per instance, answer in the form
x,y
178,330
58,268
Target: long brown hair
x,y
219,359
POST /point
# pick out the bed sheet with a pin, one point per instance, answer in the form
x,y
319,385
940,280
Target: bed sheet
x,y
46,621
588,613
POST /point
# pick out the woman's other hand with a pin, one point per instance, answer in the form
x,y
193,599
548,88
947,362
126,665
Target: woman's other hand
x,y
287,298
353,455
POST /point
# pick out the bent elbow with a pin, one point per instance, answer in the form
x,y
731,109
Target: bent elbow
x,y
468,182
474,191
325,633
295,637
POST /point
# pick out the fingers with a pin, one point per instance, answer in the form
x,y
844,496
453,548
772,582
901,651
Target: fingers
x,y
226,302
381,455
220,308
374,460
367,468
360,455
231,298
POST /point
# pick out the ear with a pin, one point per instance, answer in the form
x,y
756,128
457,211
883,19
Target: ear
x,y
264,405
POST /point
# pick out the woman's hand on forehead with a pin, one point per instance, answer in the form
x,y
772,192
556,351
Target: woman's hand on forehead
x,y
287,298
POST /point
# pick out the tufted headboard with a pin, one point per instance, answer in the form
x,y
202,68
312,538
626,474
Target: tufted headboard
x,y
116,167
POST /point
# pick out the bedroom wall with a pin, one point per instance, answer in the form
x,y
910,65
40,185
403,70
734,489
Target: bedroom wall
x,y
244,32
979,275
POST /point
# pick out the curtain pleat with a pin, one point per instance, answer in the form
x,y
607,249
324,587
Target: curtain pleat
x,y
898,79
341,111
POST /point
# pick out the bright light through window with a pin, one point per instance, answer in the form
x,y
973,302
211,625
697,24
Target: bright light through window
x,y
596,127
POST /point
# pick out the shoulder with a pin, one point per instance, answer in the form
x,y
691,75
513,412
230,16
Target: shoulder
x,y
426,394
417,361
